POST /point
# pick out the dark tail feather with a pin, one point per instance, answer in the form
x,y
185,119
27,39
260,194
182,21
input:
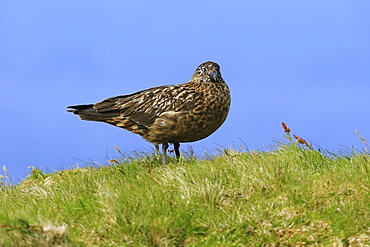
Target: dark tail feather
x,y
89,113
77,108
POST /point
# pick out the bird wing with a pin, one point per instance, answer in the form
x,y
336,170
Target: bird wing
x,y
145,106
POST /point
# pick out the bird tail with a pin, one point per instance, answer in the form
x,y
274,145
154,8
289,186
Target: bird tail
x,y
89,113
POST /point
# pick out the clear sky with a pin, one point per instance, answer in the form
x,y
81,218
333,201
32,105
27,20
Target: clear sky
x,y
306,63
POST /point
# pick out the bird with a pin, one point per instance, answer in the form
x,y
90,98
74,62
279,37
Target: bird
x,y
170,114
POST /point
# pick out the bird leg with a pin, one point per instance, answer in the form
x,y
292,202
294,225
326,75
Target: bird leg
x,y
164,152
176,146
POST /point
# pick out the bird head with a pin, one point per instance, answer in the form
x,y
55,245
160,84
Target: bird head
x,y
208,71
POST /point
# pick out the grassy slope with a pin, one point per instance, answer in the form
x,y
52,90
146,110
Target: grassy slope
x,y
291,196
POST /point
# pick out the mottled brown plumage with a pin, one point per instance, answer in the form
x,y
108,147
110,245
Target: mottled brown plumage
x,y
168,114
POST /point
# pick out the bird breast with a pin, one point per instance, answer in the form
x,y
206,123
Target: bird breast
x,y
204,114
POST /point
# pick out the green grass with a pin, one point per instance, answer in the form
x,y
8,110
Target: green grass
x,y
291,196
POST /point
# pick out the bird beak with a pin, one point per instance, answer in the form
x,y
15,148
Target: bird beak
x,y
214,75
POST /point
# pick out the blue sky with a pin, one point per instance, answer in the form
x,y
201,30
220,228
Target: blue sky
x,y
302,62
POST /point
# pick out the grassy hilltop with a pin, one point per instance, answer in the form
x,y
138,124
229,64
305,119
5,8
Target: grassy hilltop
x,y
292,196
